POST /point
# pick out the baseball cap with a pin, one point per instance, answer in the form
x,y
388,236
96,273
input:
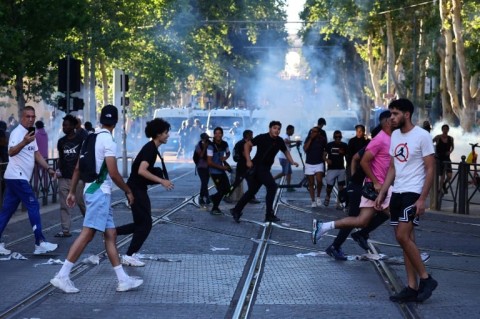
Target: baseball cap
x,y
109,115
384,115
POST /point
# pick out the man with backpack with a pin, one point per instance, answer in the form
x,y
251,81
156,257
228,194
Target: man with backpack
x,y
99,215
201,163
217,154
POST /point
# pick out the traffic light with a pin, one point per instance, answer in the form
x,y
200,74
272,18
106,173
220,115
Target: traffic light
x,y
126,83
77,104
74,76
62,104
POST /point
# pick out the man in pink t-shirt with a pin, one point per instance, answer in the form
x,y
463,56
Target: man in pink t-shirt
x,y
375,162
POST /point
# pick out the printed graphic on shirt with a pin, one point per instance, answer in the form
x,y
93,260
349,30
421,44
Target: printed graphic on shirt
x,y
401,152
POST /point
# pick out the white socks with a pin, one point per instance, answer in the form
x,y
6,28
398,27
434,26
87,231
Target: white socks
x,y
327,226
121,274
66,269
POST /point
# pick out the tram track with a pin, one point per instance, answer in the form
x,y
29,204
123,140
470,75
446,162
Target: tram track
x,y
81,268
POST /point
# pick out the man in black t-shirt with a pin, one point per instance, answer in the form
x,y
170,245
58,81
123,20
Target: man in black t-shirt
x,y
68,152
335,158
268,145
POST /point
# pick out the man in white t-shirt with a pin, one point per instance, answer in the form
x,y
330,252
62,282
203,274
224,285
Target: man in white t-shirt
x,y
412,168
23,153
99,216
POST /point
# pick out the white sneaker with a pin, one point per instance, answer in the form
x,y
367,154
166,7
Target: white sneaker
x,y
65,284
133,261
129,283
314,204
44,248
319,202
3,250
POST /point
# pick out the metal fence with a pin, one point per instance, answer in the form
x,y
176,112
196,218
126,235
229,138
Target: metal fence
x,y
44,187
459,191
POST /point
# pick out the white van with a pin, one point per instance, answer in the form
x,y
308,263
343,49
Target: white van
x,y
344,121
225,118
174,116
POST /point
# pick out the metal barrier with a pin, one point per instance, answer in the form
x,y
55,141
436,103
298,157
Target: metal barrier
x,y
458,187
43,185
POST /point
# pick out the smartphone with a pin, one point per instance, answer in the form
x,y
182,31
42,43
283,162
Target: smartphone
x,y
31,129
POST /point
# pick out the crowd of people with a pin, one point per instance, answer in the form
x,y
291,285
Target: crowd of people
x,y
397,166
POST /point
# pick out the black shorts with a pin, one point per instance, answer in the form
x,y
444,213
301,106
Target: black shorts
x,y
444,166
402,209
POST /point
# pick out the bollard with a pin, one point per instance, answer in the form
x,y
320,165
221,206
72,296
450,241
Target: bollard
x,y
463,169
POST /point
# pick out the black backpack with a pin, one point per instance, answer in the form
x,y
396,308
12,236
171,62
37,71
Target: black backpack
x,y
87,161
196,157
238,150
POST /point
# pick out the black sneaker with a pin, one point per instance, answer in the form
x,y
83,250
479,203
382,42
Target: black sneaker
x,y
216,211
361,240
201,201
208,201
271,218
335,253
406,295
425,288
236,216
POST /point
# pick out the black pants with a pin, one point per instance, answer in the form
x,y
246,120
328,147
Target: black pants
x,y
204,175
260,176
222,184
354,195
142,220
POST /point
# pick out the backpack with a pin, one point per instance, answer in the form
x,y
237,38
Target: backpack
x,y
196,157
237,150
87,161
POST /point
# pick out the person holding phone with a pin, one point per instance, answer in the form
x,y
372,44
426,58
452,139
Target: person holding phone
x,y
23,153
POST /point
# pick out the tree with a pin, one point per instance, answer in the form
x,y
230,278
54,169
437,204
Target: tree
x,y
29,43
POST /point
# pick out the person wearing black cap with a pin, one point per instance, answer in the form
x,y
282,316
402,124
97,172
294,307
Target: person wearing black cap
x,y
99,215
375,163
202,168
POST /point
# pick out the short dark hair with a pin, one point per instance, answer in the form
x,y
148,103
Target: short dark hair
x,y
321,121
272,123
72,119
290,127
445,125
155,127
337,132
403,105
247,132
360,126
218,128
88,125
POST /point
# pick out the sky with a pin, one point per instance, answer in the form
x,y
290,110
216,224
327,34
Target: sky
x,y
294,7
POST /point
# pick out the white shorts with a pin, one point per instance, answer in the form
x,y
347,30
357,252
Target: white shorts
x,y
312,169
365,202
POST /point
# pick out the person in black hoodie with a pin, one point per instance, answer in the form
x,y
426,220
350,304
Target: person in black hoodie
x,y
202,168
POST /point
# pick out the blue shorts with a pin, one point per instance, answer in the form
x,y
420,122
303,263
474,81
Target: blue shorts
x,y
99,214
286,166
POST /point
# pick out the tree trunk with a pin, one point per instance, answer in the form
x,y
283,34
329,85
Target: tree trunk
x,y
375,73
467,115
391,60
449,63
103,71
447,112
19,92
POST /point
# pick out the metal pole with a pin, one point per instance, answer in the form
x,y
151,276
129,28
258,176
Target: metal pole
x,y
67,94
124,130
463,168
